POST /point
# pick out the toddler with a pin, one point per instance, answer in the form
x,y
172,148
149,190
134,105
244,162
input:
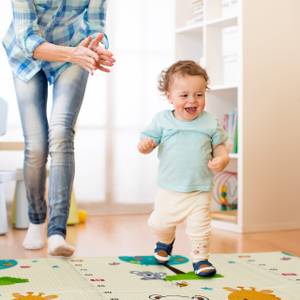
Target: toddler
x,y
191,147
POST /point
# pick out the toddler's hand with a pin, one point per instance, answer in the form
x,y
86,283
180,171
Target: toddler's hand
x,y
217,164
146,145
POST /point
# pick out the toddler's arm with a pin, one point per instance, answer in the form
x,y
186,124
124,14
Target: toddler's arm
x,y
146,145
220,158
151,136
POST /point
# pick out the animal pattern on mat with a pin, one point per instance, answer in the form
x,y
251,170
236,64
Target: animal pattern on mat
x,y
251,276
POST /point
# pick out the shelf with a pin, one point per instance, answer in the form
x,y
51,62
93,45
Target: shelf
x,y
233,155
224,225
12,143
223,22
194,28
11,146
227,215
235,49
203,42
198,26
222,87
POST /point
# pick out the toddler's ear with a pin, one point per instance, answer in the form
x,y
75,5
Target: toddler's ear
x,y
169,97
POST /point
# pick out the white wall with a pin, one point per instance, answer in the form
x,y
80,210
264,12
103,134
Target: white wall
x,y
271,115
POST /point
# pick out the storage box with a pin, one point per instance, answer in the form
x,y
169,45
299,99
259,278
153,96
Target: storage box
x,y
230,40
230,69
229,8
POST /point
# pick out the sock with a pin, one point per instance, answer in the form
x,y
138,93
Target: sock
x,y
57,246
35,237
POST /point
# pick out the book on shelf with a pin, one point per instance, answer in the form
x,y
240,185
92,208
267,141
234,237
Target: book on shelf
x,y
231,129
229,8
196,12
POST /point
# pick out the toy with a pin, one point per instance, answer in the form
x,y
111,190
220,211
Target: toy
x,y
82,216
76,216
225,190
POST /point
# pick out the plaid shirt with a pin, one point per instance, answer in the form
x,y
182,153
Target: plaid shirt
x,y
61,22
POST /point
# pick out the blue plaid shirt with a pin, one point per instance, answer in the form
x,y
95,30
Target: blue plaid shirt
x,y
61,22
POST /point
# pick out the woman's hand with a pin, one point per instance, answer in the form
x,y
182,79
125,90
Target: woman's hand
x,y
146,145
105,57
85,57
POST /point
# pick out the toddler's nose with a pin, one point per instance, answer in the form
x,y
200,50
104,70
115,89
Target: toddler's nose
x,y
192,98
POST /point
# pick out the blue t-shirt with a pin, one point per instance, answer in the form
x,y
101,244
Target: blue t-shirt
x,y
184,149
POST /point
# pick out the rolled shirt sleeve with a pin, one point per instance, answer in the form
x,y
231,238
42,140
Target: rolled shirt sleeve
x,y
153,131
28,33
95,20
219,136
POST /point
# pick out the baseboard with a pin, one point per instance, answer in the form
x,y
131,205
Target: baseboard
x,y
116,209
271,227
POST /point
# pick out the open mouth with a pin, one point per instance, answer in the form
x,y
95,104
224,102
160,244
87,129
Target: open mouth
x,y
191,110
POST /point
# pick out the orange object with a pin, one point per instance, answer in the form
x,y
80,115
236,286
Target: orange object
x,y
82,216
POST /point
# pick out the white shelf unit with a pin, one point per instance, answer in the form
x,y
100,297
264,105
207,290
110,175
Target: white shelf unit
x,y
266,39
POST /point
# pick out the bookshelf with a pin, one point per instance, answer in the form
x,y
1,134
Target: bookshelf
x,y
239,43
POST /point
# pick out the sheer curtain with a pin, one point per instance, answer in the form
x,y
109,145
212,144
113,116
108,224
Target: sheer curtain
x,y
141,35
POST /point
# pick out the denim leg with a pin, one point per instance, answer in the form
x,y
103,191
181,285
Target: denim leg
x,y
32,102
68,92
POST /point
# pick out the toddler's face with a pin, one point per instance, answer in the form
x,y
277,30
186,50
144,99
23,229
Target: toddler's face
x,y
187,95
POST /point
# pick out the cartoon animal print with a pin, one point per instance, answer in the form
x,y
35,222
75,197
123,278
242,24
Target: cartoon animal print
x,y
11,280
31,296
251,294
182,283
147,275
177,297
7,263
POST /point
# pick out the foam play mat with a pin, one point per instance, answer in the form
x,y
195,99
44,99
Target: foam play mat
x,y
251,276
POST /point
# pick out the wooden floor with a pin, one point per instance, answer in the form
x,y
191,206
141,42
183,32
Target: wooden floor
x,y
130,235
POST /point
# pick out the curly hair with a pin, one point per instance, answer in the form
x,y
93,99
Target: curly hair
x,y
181,67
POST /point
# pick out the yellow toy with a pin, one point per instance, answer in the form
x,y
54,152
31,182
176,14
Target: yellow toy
x,y
223,197
76,216
82,215
225,190
73,212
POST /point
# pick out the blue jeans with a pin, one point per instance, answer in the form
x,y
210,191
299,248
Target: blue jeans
x,y
55,137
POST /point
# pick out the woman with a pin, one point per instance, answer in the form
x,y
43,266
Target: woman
x,y
55,42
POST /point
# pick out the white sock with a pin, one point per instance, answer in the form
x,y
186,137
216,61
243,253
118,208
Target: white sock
x,y
35,237
57,246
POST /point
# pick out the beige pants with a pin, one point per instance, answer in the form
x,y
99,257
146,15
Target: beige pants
x,y
172,208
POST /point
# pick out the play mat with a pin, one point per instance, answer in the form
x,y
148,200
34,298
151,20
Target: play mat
x,y
251,276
